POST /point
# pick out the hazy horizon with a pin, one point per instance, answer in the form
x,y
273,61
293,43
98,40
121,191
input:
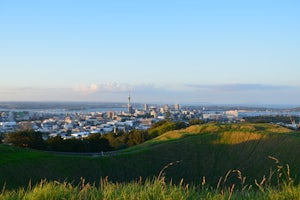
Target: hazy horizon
x,y
125,103
218,52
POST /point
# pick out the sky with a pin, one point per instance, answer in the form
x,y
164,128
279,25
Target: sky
x,y
218,52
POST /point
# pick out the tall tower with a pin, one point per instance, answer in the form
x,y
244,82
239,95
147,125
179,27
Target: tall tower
x,y
128,100
129,105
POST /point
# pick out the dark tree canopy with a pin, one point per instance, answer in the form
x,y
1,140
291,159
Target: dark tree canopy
x,y
94,142
26,138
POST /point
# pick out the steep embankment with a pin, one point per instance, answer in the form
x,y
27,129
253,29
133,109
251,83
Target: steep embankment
x,y
208,150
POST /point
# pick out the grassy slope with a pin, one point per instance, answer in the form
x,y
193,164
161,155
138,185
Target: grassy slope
x,y
207,150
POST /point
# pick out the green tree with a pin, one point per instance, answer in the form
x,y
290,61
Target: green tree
x,y
26,138
55,143
168,116
97,143
117,141
136,137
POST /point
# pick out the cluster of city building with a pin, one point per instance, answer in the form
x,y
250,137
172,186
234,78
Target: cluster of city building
x,y
80,124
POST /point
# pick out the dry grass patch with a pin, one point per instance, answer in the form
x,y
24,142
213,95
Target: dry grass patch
x,y
239,137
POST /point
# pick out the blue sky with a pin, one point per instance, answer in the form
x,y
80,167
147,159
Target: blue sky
x,y
222,52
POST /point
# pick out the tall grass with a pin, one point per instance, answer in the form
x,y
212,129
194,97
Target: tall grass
x,y
277,185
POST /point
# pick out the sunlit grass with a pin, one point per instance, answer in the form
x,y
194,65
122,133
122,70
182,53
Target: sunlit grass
x,y
238,137
229,133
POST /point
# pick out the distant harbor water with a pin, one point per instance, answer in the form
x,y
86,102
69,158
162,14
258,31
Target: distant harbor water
x,y
267,113
62,111
102,107
65,107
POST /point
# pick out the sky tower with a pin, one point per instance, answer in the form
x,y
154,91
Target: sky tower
x,y
129,105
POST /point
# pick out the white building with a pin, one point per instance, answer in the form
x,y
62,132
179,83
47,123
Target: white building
x,y
232,114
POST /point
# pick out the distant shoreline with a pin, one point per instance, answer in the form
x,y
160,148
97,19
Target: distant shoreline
x,y
85,105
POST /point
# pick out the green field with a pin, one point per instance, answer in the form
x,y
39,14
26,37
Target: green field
x,y
209,151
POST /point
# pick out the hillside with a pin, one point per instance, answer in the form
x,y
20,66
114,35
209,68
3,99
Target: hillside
x,y
208,150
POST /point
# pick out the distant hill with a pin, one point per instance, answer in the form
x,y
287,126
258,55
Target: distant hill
x,y
208,150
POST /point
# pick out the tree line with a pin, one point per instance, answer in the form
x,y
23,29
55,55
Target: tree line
x,y
274,119
29,138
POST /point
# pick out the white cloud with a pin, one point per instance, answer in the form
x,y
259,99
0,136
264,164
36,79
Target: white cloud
x,y
114,87
87,89
113,91
102,88
239,87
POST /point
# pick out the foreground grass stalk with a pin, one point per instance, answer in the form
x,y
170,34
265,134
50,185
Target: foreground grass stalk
x,y
148,190
158,188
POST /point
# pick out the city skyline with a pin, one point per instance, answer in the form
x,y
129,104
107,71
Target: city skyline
x,y
217,52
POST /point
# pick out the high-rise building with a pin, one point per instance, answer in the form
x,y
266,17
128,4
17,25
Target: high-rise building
x,y
110,114
166,108
176,106
146,107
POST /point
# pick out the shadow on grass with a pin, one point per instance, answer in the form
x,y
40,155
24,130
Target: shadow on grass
x,y
199,155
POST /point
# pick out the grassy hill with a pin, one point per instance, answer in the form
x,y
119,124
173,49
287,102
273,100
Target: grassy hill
x,y
209,150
